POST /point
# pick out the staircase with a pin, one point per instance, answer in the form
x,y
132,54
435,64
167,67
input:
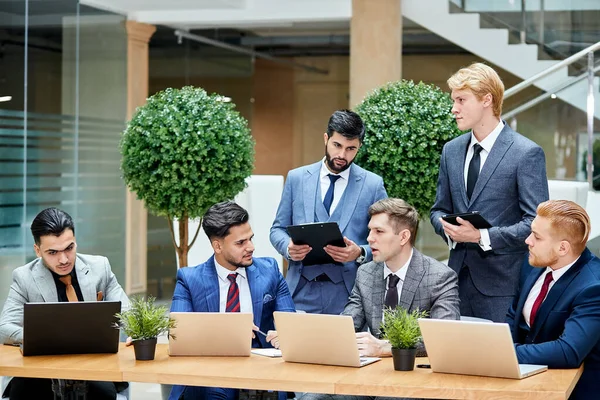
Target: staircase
x,y
492,45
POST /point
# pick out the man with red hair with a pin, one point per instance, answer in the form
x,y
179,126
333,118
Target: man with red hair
x,y
555,320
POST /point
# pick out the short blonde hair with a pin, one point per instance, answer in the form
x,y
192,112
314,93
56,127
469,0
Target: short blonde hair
x,y
401,215
569,222
480,79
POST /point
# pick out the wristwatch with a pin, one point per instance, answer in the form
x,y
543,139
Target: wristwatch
x,y
362,257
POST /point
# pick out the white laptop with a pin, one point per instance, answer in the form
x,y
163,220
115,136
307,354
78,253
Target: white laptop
x,y
211,334
319,339
473,348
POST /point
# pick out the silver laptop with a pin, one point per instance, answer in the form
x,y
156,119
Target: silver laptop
x,y
211,334
473,348
319,339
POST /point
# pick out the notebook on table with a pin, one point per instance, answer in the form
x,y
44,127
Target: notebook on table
x,y
473,348
83,327
319,339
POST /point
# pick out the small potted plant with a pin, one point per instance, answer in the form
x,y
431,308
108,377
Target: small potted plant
x,y
401,328
143,322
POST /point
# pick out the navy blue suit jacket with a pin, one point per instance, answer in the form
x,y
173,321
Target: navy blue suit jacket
x,y
197,290
566,330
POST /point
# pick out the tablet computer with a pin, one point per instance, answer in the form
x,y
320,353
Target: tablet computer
x,y
473,217
317,235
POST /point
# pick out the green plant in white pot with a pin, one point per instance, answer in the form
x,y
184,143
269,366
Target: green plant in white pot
x,y
143,322
401,328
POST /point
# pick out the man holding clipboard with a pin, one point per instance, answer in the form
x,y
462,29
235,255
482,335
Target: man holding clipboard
x,y
331,190
497,172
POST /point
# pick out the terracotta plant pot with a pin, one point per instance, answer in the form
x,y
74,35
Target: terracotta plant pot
x,y
404,359
144,349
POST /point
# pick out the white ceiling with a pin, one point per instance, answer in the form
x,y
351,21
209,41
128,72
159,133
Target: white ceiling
x,y
249,14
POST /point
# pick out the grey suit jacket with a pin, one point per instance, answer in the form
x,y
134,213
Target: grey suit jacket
x,y
33,282
429,285
511,184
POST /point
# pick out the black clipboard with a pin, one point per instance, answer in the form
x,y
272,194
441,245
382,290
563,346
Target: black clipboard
x,y
473,217
317,235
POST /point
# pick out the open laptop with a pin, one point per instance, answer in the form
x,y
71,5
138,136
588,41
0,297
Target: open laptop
x,y
319,339
70,328
473,348
211,334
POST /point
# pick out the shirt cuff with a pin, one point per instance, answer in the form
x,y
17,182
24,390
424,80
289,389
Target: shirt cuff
x,y
485,243
451,243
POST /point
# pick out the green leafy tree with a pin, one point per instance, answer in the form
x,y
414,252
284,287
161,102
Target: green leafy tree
x,y
182,152
407,125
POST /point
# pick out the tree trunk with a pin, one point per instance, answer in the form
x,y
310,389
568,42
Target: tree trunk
x,y
183,248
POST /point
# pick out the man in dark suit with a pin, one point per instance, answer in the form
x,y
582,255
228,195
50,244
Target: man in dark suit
x,y
58,274
556,319
231,281
336,190
398,276
496,171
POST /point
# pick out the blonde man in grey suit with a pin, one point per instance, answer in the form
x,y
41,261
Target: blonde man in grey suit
x,y
58,274
398,276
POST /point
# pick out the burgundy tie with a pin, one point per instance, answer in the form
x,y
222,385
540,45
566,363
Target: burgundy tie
x,y
233,295
540,299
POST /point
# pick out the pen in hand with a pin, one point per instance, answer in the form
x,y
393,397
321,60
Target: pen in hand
x,y
261,332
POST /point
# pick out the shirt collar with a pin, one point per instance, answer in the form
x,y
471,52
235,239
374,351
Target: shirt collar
x,y
401,273
490,139
345,174
222,272
556,274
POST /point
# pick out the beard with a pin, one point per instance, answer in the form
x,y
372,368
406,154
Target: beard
x,y
239,264
331,164
542,262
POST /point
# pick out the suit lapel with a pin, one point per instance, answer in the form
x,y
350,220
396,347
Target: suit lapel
x,y
556,291
414,275
377,298
310,182
351,194
459,152
212,285
501,146
527,286
44,282
256,292
88,289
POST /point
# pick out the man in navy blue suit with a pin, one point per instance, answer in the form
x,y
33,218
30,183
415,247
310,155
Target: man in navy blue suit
x,y
231,281
556,319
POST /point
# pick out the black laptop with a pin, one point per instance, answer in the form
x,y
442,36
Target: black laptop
x,y
70,328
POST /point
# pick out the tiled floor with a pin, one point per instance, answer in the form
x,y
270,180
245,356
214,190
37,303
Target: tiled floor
x,y
144,391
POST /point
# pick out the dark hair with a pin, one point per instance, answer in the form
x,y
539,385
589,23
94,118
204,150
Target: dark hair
x,y
220,217
401,215
51,221
348,124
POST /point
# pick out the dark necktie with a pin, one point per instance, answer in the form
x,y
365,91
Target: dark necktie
x,y
71,294
233,295
540,299
329,195
391,297
473,172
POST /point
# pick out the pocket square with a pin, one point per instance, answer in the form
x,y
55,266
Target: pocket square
x,y
100,296
267,298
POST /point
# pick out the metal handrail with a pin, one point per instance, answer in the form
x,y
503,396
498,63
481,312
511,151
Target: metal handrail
x,y
567,61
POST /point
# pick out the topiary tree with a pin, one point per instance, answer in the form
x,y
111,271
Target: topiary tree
x,y
407,125
183,151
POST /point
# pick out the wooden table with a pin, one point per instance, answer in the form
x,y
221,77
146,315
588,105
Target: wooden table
x,y
257,372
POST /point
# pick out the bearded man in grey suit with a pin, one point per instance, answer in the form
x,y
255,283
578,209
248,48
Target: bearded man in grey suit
x,y
398,276
497,172
58,274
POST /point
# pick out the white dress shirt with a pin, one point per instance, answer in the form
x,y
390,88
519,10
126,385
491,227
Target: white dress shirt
x,y
242,282
401,274
537,288
340,184
486,145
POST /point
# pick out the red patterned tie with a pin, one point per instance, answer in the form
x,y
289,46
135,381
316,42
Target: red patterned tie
x,y
540,299
233,295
